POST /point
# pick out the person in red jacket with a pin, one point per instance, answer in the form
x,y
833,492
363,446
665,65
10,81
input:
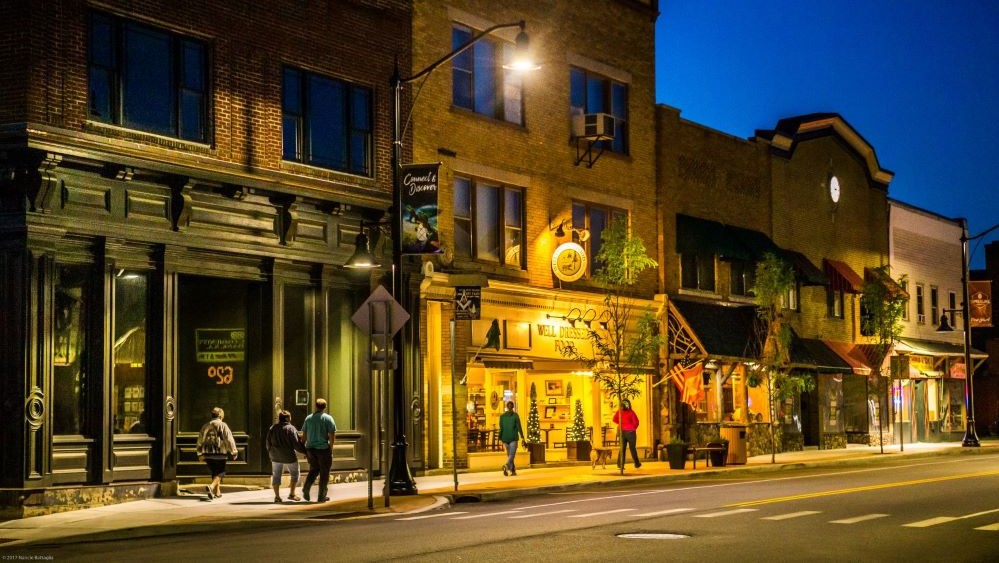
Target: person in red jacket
x,y
627,422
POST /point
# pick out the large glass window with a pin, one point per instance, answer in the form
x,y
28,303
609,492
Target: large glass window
x,y
594,219
129,392
147,78
488,221
743,277
592,93
73,292
326,122
479,81
697,271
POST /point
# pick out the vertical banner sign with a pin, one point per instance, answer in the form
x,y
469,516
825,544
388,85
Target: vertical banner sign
x,y
980,303
419,188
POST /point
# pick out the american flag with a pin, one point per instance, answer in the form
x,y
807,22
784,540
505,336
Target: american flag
x,y
688,381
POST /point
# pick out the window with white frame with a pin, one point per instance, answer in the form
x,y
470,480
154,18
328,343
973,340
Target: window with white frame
x,y
834,303
905,307
480,83
592,93
488,221
952,305
920,306
934,305
792,297
594,218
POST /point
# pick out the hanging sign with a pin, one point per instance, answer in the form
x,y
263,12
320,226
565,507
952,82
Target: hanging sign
x,y
418,184
980,303
467,303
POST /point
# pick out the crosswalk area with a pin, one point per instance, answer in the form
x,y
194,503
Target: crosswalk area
x,y
975,519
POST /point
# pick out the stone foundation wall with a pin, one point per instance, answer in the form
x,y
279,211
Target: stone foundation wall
x,y
833,441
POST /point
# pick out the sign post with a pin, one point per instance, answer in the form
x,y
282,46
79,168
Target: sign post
x,y
467,307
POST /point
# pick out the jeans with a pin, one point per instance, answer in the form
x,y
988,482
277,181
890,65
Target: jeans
x,y
511,452
320,463
629,437
277,468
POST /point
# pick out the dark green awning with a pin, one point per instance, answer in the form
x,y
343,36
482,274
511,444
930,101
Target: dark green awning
x,y
703,236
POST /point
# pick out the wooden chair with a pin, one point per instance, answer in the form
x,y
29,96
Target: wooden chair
x,y
612,441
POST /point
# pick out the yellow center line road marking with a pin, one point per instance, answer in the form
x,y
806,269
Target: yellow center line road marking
x,y
724,513
865,488
856,519
792,515
600,513
990,528
543,513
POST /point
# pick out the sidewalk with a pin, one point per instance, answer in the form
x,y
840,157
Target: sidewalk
x,y
179,514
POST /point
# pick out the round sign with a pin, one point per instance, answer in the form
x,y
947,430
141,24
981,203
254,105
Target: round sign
x,y
569,262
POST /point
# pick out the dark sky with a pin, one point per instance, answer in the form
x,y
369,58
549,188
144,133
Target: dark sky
x,y
919,79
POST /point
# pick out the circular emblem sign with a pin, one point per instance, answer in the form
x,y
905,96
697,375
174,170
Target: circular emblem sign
x,y
569,262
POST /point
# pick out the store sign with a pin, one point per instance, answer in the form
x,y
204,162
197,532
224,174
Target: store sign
x,y
569,262
419,185
957,370
467,303
980,303
214,345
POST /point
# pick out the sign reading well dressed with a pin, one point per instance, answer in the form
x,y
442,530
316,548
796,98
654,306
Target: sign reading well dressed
x,y
419,186
980,303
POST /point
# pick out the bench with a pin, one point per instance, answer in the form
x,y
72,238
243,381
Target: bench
x,y
706,451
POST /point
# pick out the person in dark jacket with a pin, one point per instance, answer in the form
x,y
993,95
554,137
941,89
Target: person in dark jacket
x,y
627,421
510,429
282,442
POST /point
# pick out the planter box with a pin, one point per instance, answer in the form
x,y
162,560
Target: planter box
x,y
578,451
676,454
537,453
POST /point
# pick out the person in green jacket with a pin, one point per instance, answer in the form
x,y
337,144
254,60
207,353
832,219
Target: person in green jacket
x,y
509,430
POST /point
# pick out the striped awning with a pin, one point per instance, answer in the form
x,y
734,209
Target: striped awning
x,y
842,277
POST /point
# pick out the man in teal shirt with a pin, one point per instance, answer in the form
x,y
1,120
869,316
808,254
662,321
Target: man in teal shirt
x,y
319,433
510,429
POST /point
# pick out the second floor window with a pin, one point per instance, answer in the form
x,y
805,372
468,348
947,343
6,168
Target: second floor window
x,y
920,310
594,218
697,271
905,307
834,303
146,78
952,305
792,297
326,122
488,222
934,306
743,277
479,81
592,93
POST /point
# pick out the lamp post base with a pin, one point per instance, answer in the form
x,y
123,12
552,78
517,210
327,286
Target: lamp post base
x,y
970,437
401,481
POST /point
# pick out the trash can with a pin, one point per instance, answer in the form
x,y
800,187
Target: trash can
x,y
736,436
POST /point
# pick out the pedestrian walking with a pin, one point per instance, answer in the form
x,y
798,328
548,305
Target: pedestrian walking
x,y
509,431
319,434
282,442
627,422
215,447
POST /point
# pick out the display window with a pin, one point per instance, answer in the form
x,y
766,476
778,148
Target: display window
x,y
129,384
73,294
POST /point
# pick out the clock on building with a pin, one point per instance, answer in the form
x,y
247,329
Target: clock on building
x,y
834,189
569,262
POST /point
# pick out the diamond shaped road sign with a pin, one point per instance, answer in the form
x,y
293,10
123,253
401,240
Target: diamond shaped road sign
x,y
381,298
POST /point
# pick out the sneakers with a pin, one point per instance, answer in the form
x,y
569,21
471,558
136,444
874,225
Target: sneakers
x,y
294,498
505,471
277,500
208,492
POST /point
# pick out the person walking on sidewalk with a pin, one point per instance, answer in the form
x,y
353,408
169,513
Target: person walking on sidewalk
x,y
282,442
627,422
509,430
215,446
319,434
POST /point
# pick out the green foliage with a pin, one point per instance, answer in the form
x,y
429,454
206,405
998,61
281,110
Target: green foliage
x,y
577,430
881,306
631,340
533,420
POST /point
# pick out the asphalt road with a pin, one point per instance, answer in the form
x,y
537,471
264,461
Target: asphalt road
x,y
939,509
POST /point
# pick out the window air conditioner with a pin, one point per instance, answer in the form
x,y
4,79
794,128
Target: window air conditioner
x,y
593,126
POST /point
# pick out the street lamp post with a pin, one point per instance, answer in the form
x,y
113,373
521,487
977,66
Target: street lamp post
x,y
970,435
400,478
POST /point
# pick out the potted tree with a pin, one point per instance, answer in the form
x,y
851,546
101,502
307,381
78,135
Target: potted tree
x,y
676,453
533,439
576,443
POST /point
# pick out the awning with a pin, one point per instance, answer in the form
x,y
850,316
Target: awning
x,y
806,272
895,291
853,356
724,331
935,348
815,354
506,363
842,277
703,236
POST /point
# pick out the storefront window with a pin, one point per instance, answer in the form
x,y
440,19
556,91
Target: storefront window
x,y
856,409
758,403
129,376
831,407
342,353
69,352
488,392
952,405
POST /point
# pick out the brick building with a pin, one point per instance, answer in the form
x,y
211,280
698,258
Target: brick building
x,y
181,184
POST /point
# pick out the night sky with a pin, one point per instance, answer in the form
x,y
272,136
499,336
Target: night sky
x,y
919,79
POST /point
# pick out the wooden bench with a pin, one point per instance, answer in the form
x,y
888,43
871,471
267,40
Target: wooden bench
x,y
706,451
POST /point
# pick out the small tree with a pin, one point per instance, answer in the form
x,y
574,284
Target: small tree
x,y
533,420
774,279
577,431
881,306
622,350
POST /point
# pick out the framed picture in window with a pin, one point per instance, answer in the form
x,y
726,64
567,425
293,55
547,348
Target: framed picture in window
x,y
549,412
552,400
553,387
